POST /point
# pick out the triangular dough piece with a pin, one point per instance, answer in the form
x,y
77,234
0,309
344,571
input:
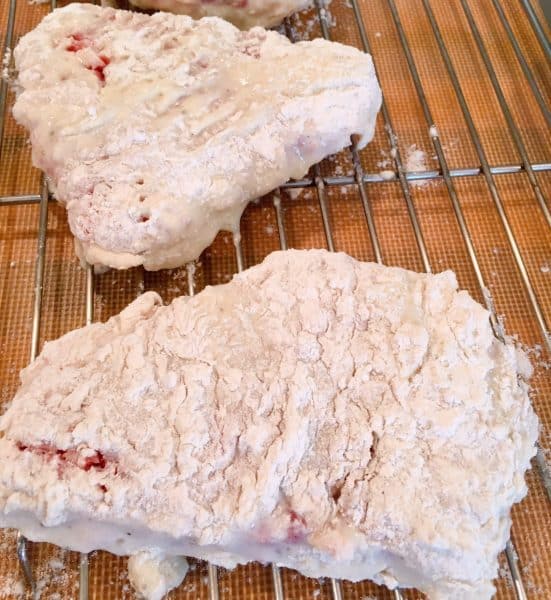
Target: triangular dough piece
x,y
157,131
341,418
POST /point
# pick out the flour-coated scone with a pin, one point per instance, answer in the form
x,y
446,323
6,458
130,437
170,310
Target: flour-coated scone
x,y
340,418
156,131
242,13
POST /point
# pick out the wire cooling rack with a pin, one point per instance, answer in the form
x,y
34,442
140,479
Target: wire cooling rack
x,y
457,176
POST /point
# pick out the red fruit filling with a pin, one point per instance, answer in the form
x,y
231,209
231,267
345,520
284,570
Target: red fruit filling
x,y
77,41
98,69
68,457
296,531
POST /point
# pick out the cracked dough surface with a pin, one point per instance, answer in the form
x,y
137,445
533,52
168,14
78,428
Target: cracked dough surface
x,y
342,418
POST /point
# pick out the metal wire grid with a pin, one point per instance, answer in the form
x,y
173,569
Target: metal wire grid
x,y
360,179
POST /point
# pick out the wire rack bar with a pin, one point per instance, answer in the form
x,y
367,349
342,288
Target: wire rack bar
x,y
366,204
394,153
537,26
399,175
83,576
89,295
336,589
21,199
278,583
320,188
22,542
39,270
474,135
485,169
522,61
214,592
238,251
22,548
512,562
280,221
409,176
84,563
513,129
190,268
8,45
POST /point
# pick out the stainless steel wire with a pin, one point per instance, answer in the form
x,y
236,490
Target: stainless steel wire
x,y
516,578
488,175
22,549
22,543
513,129
358,175
83,576
320,187
84,563
537,26
214,592
6,54
39,270
394,153
278,583
522,61
401,175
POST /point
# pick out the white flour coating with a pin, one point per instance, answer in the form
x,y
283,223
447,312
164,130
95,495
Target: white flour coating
x,y
156,131
387,175
153,575
6,61
416,162
11,587
341,418
242,13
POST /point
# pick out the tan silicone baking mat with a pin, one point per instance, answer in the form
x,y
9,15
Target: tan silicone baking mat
x,y
56,570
